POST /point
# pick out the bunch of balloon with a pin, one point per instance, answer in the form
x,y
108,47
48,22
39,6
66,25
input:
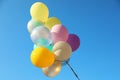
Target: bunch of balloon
x,y
52,42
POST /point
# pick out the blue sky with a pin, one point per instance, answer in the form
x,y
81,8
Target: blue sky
x,y
96,22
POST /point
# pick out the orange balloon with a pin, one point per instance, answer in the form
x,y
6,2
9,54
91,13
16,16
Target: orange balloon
x,y
42,57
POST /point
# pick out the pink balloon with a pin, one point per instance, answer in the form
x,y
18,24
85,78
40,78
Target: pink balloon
x,y
59,33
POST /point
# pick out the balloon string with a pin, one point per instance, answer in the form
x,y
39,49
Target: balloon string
x,y
72,70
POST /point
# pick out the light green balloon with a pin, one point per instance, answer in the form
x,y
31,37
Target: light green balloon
x,y
50,47
32,24
35,46
36,23
42,42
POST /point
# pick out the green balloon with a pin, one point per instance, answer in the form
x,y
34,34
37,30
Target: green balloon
x,y
50,47
33,24
35,46
36,23
42,42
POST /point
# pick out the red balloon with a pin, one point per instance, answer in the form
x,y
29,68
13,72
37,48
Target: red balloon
x,y
73,41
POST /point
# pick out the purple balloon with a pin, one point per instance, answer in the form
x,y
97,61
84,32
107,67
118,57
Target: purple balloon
x,y
73,41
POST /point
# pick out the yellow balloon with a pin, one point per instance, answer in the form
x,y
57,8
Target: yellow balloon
x,y
51,22
39,11
42,57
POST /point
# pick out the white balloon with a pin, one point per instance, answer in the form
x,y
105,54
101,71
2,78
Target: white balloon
x,y
41,36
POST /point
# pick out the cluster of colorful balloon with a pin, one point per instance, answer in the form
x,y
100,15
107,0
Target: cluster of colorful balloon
x,y
52,42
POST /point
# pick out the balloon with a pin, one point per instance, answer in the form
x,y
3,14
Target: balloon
x,y
73,41
59,33
42,42
52,70
35,46
51,22
41,57
32,24
50,47
39,12
62,51
41,36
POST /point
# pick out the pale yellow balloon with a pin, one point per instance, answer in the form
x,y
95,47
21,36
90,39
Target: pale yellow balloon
x,y
62,51
39,12
53,70
51,22
41,57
